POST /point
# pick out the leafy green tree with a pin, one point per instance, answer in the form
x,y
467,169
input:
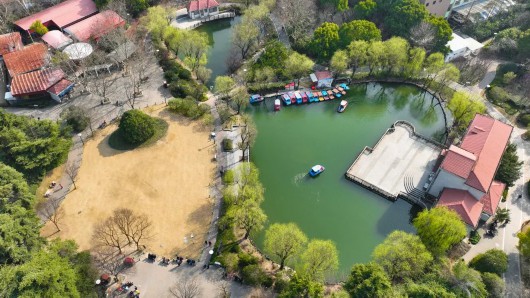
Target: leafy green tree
x,y
396,54
297,66
46,274
439,229
14,190
434,63
358,30
375,56
223,85
239,98
19,234
249,216
320,258
464,108
284,241
136,126
508,77
136,6
325,40
76,117
157,20
358,54
38,28
524,243
494,285
510,167
32,146
365,8
414,65
427,290
301,286
339,62
448,73
467,282
368,280
194,48
443,32
246,185
245,37
274,55
492,261
402,256
174,38
502,215
403,15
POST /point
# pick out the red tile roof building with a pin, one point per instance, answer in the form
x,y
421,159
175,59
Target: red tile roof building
x,y
464,181
202,8
96,25
60,15
31,57
10,42
36,82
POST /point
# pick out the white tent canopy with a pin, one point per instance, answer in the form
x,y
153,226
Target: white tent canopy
x,y
78,50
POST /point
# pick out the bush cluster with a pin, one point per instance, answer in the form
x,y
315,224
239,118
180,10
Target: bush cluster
x,y
180,80
188,107
474,237
76,118
228,145
136,126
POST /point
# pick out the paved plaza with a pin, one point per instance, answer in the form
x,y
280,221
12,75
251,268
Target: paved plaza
x,y
399,157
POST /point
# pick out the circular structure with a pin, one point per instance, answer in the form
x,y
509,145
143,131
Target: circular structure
x,y
78,50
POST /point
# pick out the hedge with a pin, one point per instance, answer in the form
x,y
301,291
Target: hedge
x,y
188,107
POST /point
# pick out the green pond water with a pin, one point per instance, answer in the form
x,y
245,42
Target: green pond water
x,y
220,36
294,139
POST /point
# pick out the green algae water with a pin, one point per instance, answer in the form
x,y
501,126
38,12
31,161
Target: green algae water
x,y
220,37
294,139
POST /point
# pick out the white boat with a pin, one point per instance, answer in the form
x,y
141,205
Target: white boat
x,y
316,170
342,106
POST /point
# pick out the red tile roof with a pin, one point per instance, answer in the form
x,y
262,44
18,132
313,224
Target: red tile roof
x,y
458,161
201,4
36,81
322,75
59,86
486,139
493,197
10,42
463,203
62,14
31,57
96,25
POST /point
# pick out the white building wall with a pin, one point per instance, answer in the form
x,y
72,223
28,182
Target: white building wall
x,y
445,179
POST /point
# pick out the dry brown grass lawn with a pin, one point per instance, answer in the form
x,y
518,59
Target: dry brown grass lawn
x,y
168,181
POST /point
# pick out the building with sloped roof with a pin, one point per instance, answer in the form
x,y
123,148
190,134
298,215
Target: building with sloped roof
x,y
202,8
95,26
10,42
39,84
61,15
32,57
464,181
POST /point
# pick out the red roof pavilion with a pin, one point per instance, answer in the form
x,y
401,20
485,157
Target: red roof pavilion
x,y
201,4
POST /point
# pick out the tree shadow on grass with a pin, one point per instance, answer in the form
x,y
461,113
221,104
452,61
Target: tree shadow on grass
x,y
118,144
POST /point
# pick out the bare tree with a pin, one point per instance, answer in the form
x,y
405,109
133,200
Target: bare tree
x,y
234,60
52,211
224,290
108,234
107,260
141,230
71,170
423,35
247,135
298,16
124,218
102,86
189,288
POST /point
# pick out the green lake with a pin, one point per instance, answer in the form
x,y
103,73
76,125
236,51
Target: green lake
x,y
294,139
220,37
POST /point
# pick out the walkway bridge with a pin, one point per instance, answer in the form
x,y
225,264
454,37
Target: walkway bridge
x,y
187,23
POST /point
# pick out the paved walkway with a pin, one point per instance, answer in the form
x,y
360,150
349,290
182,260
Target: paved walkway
x,y
280,29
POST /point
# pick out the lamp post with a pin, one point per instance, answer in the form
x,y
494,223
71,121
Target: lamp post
x,y
81,138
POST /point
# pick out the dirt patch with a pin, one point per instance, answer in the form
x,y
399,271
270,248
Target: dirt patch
x,y
168,181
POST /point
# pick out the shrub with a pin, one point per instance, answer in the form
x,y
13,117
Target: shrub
x,y
228,144
38,28
228,177
136,126
494,284
246,259
187,107
524,119
493,261
498,95
76,118
230,261
255,276
474,237
504,194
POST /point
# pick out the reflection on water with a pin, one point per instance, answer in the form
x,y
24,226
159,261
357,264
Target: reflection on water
x,y
330,207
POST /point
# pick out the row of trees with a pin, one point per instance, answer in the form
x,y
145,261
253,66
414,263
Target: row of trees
x,y
417,266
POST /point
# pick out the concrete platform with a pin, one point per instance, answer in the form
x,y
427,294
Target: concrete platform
x,y
400,161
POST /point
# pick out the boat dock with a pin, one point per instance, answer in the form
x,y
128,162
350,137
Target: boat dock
x,y
400,165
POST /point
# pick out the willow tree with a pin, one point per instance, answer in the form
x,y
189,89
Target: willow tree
x,y
284,241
